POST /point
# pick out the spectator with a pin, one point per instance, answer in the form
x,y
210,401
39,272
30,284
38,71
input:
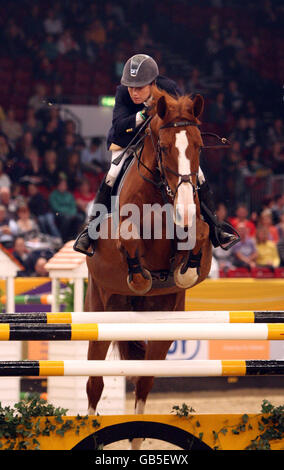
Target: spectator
x,y
195,84
49,47
266,221
70,128
253,133
67,45
84,196
38,100
94,157
277,158
10,204
8,228
39,267
97,33
277,207
73,170
240,132
232,177
217,110
233,97
40,209
67,147
267,253
275,133
52,24
234,40
224,259
7,154
242,216
48,138
4,178
244,253
21,253
27,227
63,205
11,128
31,123
25,144
280,225
17,199
32,173
46,71
57,96
255,165
50,169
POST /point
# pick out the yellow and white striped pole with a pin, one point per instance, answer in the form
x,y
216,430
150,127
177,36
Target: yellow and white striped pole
x,y
237,316
140,331
175,368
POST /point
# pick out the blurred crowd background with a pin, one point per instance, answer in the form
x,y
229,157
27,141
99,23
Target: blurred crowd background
x,y
72,52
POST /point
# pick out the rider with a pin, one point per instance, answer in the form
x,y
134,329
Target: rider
x,y
132,99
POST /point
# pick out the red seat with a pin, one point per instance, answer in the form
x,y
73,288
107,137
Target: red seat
x,y
239,272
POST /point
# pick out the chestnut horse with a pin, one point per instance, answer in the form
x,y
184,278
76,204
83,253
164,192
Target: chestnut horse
x,y
132,272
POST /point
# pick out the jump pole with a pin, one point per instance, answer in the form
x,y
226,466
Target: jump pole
x,y
177,368
146,317
140,331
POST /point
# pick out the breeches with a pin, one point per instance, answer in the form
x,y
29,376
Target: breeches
x,y
115,169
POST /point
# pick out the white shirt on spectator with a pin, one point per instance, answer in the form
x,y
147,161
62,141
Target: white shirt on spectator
x,y
5,181
53,26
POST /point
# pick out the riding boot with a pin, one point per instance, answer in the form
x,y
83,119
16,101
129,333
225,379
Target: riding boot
x,y
221,233
83,242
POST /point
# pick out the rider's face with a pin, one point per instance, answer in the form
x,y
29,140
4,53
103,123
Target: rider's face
x,y
139,94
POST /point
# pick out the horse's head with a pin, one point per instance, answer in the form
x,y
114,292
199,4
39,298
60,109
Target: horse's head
x,y
179,142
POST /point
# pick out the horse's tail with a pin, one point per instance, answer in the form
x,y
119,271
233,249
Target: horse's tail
x,y
132,349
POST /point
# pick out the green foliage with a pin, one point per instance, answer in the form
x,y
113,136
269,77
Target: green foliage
x,y
270,426
19,430
67,298
184,410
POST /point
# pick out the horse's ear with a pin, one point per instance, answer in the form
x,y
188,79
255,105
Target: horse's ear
x,y
161,107
198,105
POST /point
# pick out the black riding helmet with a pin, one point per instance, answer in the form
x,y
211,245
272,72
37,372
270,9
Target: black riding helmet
x,y
140,70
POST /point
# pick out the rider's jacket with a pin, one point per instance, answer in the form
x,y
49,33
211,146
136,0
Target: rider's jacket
x,y
124,112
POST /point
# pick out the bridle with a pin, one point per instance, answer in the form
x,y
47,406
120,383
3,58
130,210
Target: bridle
x,y
163,168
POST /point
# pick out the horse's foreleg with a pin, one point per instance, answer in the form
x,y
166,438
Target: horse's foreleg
x,y
95,385
187,273
156,350
139,279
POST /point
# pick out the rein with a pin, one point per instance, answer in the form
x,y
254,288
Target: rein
x,y
184,178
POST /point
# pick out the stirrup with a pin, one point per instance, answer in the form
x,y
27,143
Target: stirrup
x,y
231,233
81,249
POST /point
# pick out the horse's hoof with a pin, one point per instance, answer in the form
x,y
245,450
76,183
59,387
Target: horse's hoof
x,y
139,284
186,280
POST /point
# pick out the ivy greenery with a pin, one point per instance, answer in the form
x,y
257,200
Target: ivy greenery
x,y
67,297
20,430
270,425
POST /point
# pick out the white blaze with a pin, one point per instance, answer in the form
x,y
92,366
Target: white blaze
x,y
184,203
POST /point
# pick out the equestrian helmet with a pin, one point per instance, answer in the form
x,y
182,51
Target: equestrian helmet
x,y
140,70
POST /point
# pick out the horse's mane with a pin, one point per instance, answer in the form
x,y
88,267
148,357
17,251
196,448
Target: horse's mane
x,y
183,105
